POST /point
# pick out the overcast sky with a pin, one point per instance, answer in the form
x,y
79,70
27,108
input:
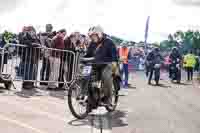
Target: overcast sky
x,y
123,18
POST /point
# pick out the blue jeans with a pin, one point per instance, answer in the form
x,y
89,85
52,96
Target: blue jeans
x,y
125,71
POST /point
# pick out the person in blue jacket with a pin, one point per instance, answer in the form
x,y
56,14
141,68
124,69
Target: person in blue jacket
x,y
104,52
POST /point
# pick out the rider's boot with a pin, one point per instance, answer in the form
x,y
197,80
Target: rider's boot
x,y
107,101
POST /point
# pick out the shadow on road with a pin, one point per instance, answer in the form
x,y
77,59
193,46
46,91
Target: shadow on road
x,y
184,84
117,119
161,85
132,87
41,91
57,93
78,122
2,89
164,86
28,93
61,94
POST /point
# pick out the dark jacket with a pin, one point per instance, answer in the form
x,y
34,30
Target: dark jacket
x,y
174,56
68,44
31,52
70,47
153,58
106,52
46,38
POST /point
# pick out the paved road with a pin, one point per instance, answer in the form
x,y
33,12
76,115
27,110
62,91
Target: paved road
x,y
170,108
146,109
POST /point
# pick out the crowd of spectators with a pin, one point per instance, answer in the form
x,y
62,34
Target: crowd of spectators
x,y
46,46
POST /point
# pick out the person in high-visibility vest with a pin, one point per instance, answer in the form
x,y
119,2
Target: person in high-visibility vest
x,y
124,56
189,64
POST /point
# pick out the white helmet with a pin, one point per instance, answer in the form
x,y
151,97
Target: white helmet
x,y
97,30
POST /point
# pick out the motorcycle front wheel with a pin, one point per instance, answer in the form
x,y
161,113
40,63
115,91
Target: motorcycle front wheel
x,y
74,98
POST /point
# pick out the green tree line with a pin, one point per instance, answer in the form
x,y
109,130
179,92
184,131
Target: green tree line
x,y
188,40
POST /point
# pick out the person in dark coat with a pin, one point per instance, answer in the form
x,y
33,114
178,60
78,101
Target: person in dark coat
x,y
153,58
29,56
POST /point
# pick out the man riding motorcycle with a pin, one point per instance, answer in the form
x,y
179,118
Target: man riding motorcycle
x,y
153,61
105,53
174,67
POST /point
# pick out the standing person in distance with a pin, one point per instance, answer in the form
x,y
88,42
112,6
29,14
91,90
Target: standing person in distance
x,y
153,58
189,64
124,56
175,59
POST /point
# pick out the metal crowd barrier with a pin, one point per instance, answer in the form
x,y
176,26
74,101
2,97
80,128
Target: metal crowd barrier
x,y
37,64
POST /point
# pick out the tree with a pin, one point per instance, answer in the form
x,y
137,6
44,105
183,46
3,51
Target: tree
x,y
117,40
165,45
7,35
179,36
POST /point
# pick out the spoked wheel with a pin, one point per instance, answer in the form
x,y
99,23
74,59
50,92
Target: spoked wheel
x,y
115,97
76,101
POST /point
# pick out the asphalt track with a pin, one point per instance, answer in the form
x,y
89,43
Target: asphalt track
x,y
169,108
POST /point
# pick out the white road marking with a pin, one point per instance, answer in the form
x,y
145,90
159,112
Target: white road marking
x,y
21,124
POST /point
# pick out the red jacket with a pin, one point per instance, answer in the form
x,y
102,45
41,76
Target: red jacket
x,y
58,43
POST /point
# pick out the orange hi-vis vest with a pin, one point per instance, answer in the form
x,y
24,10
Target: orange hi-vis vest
x,y
123,54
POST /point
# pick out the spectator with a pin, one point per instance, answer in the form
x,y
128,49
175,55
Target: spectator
x,y
29,56
83,43
70,45
55,58
2,44
45,39
124,56
141,63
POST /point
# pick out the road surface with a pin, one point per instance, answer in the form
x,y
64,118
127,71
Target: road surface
x,y
170,108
